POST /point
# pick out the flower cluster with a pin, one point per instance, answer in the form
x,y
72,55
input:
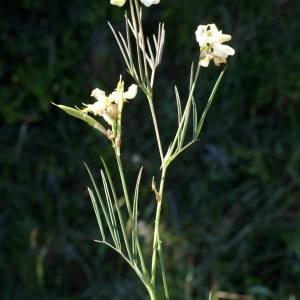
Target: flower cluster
x,y
210,42
145,2
107,107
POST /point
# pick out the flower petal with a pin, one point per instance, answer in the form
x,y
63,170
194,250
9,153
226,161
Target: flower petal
x,y
132,91
98,94
201,36
117,2
149,2
222,50
224,38
204,62
114,97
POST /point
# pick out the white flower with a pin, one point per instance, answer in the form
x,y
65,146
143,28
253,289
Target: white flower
x,y
149,2
98,108
107,107
206,58
132,91
201,36
210,42
130,94
117,2
114,97
217,39
222,50
217,35
98,94
145,2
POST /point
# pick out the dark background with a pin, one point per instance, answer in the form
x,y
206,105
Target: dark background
x,y
230,218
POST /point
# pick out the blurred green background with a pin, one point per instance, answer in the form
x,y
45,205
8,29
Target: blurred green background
x,y
230,219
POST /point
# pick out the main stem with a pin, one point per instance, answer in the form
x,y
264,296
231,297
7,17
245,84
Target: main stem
x,y
157,219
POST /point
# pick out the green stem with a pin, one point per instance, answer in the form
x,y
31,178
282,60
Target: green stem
x,y
157,219
155,127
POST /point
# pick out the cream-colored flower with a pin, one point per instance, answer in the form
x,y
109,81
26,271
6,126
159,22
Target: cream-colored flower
x,y
114,97
218,36
117,2
201,36
132,91
98,94
211,47
149,2
130,94
217,39
98,108
145,2
107,107
207,56
222,50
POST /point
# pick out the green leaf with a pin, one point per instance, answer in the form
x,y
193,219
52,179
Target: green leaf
x,y
118,209
199,127
115,232
145,280
97,213
107,217
194,118
82,116
179,111
134,210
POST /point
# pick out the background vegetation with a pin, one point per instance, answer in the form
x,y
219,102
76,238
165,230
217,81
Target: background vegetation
x,y
230,219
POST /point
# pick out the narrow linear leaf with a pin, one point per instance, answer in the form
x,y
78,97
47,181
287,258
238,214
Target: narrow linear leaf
x,y
191,75
186,121
97,213
162,265
134,210
186,112
132,67
106,215
120,46
194,118
199,127
82,116
118,209
179,110
111,213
